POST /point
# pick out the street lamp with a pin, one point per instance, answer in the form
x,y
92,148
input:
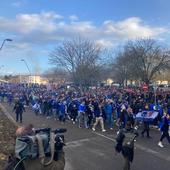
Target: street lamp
x,y
155,88
27,68
7,39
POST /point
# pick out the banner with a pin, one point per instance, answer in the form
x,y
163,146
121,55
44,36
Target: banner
x,y
147,116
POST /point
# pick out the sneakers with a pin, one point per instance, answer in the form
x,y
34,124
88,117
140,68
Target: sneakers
x,y
102,130
160,144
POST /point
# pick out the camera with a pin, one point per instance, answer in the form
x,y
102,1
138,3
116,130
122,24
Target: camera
x,y
59,141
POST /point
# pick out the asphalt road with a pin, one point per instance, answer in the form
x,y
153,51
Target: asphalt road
x,y
87,150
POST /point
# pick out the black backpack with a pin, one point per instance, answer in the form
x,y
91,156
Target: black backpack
x,y
128,141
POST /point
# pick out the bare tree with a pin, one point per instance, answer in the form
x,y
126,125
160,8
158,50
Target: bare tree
x,y
142,60
121,67
149,59
56,75
80,58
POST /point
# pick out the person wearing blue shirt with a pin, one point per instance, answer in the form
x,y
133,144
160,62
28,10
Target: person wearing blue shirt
x,y
82,117
109,113
165,129
62,112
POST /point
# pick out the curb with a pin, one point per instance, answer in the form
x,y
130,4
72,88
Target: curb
x,y
5,112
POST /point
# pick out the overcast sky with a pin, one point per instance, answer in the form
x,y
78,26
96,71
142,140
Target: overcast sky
x,y
37,26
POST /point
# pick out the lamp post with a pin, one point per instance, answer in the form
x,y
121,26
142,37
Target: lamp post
x,y
155,88
27,68
7,39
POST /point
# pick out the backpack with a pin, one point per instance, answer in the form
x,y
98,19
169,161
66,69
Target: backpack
x,y
28,147
40,145
128,141
42,150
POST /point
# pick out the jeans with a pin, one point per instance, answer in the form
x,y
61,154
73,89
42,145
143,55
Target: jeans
x,y
110,120
165,134
82,118
74,115
146,129
126,164
19,117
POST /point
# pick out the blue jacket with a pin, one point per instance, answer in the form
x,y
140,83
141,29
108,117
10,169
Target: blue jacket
x,y
82,108
62,108
108,108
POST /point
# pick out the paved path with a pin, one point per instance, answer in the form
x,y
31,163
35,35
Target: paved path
x,y
87,150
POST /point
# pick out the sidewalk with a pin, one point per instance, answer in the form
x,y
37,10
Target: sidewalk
x,y
7,138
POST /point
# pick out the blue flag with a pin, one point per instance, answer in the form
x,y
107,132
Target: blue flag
x,y
147,116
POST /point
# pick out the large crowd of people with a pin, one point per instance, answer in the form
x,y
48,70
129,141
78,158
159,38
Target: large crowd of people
x,y
107,106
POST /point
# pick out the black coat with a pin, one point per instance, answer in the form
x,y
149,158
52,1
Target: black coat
x,y
19,107
165,126
126,151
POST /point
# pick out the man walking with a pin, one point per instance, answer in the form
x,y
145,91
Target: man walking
x,y
109,113
165,129
99,113
125,144
19,109
82,116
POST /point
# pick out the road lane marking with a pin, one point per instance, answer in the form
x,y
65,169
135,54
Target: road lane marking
x,y
77,143
68,165
150,151
99,134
